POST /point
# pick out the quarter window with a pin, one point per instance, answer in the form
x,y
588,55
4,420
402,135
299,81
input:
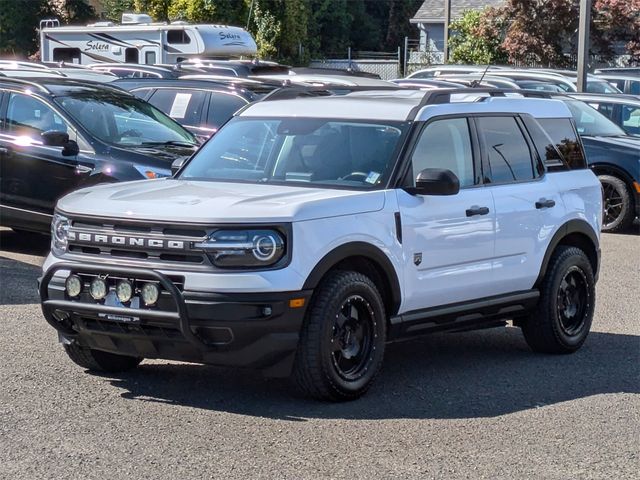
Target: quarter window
x,y
509,157
562,133
445,144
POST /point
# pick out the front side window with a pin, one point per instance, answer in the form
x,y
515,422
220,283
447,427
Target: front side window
x,y
29,117
591,122
300,151
508,155
122,120
445,144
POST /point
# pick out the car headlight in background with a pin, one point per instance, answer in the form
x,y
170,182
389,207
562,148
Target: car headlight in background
x,y
152,172
59,234
244,248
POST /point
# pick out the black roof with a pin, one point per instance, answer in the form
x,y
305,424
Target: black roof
x,y
136,83
61,86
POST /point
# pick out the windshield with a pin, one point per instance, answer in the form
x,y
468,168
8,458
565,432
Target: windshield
x,y
302,151
591,122
598,86
122,120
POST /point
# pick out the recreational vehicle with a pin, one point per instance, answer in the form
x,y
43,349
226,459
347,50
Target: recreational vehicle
x,y
138,40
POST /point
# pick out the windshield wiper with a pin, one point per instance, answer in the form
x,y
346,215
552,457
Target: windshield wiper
x,y
177,143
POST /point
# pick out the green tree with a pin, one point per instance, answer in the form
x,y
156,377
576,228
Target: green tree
x,y
267,31
158,9
113,9
76,11
19,20
477,40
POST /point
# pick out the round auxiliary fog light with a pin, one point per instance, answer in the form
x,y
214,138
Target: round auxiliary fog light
x,y
149,293
98,288
124,291
73,285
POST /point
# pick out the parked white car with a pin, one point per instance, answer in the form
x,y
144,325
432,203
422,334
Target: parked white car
x,y
309,232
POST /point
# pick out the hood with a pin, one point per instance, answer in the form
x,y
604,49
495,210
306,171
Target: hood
x,y
623,141
183,201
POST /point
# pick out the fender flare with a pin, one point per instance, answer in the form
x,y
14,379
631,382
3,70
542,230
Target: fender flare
x,y
572,226
358,249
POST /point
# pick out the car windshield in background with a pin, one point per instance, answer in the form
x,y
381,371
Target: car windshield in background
x,y
595,86
124,121
311,152
591,122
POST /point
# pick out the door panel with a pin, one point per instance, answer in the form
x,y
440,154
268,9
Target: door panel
x,y
448,247
454,251
34,176
527,204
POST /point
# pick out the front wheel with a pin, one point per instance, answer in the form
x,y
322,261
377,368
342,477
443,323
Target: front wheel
x,y
99,361
562,319
343,338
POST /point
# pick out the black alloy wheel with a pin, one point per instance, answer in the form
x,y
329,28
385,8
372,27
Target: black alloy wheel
x,y
352,340
573,300
617,205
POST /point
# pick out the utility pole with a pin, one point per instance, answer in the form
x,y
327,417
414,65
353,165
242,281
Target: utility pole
x,y
583,44
447,20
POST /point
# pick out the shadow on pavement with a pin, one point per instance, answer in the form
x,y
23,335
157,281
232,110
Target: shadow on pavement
x,y
476,374
17,278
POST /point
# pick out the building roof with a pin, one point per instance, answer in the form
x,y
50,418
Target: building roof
x,y
432,11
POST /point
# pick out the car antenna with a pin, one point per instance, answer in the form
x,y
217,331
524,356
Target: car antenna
x,y
477,83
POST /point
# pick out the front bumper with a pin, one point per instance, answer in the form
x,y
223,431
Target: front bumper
x,y
256,330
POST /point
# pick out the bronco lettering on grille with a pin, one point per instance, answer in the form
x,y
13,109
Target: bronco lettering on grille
x,y
125,241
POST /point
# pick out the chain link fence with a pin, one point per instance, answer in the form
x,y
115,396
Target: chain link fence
x,y
386,65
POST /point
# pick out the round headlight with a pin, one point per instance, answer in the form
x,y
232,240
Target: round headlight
x,y
264,247
149,293
124,291
73,285
59,234
98,288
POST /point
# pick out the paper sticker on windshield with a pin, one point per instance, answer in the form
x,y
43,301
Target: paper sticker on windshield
x,y
180,104
372,177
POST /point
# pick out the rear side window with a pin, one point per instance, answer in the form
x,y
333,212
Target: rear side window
x,y
565,138
222,106
631,119
507,153
184,106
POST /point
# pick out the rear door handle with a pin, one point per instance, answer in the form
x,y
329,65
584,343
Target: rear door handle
x,y
544,203
475,210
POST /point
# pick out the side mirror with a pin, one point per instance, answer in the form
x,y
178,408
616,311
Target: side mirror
x,y
177,165
54,138
435,181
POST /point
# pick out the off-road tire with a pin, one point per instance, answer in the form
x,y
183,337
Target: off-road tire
x,y
543,329
99,361
618,192
316,371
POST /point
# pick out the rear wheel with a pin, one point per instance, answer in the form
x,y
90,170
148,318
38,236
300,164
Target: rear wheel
x,y
99,361
618,212
343,338
562,319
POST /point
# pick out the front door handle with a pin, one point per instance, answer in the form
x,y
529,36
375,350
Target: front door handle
x,y
4,150
476,210
544,203
80,169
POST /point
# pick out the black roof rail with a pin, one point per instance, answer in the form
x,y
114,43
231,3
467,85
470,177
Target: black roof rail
x,y
21,81
289,92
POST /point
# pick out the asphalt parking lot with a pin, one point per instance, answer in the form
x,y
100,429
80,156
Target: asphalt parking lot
x,y
472,405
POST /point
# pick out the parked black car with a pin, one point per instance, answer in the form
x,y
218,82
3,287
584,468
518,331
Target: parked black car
x,y
200,106
57,135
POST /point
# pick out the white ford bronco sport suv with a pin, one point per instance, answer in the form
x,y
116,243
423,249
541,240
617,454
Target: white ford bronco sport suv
x,y
311,230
